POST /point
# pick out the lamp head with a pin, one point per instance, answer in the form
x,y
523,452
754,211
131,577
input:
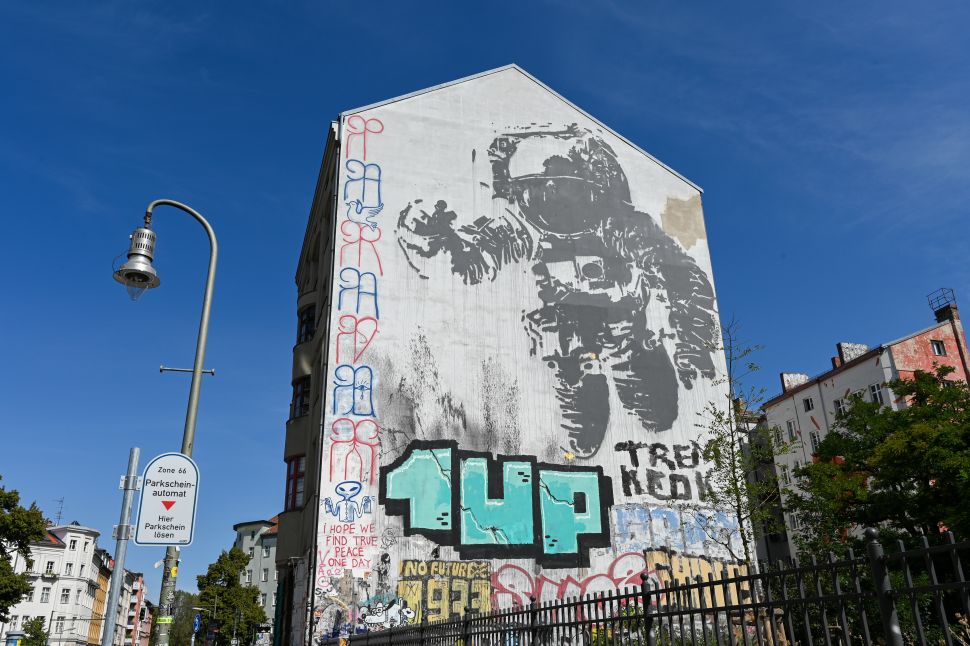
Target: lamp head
x,y
137,274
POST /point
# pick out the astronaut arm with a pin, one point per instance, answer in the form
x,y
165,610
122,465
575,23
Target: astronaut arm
x,y
477,250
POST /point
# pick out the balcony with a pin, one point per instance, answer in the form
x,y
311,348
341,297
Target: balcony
x,y
48,574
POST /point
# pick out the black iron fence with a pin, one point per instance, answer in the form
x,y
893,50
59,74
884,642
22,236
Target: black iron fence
x,y
891,595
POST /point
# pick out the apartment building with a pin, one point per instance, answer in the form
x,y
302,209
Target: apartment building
x,y
805,411
257,538
69,577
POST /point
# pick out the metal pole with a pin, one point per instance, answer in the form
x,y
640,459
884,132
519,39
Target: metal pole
x,y
170,572
122,534
884,591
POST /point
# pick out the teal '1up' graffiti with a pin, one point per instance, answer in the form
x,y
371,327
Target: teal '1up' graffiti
x,y
501,506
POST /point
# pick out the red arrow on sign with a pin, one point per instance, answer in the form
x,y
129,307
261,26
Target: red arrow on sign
x,y
168,503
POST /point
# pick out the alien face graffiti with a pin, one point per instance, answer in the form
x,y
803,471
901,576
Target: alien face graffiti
x,y
346,508
561,202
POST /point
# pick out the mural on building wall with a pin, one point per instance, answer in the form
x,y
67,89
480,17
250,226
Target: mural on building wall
x,y
521,343
596,262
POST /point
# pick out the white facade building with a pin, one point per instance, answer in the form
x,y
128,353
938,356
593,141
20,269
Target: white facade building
x,y
805,411
258,539
66,588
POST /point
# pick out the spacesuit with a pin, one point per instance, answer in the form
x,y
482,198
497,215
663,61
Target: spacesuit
x,y
561,201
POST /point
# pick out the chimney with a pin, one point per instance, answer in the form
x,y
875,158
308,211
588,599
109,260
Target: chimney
x,y
790,380
943,302
947,313
836,362
849,351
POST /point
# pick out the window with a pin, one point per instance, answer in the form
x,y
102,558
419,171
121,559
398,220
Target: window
x,y
65,596
809,404
86,543
81,570
274,598
778,438
72,545
249,576
77,595
307,324
262,599
839,406
816,440
785,475
276,577
301,397
295,472
30,595
794,521
875,394
265,551
265,576
13,622
45,595
68,569
59,624
250,552
252,535
792,433
50,568
939,348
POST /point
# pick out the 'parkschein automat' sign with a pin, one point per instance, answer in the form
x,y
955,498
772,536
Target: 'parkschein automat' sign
x,y
166,513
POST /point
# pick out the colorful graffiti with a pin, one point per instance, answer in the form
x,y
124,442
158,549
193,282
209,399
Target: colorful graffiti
x,y
503,507
708,533
347,535
439,590
515,585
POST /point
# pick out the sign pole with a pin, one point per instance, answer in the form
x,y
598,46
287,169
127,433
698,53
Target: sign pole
x,y
129,482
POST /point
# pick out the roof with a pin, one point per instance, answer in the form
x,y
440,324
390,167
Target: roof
x,y
848,364
862,358
545,87
271,522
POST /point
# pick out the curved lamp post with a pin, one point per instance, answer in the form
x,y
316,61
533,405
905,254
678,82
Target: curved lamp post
x,y
137,275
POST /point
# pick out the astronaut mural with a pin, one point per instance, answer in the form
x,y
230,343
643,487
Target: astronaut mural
x,y
597,262
523,332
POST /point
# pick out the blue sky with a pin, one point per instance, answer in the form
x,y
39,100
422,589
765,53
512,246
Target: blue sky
x,y
832,141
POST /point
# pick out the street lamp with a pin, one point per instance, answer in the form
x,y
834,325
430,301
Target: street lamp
x,y
137,275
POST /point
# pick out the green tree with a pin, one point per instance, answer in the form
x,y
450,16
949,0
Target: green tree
x,y
235,605
906,471
19,527
738,450
183,612
34,633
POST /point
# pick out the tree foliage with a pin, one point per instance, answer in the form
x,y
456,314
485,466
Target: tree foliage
x,y
234,604
183,612
19,527
906,471
34,633
738,451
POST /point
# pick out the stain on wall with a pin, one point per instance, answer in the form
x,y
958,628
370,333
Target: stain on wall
x,y
683,220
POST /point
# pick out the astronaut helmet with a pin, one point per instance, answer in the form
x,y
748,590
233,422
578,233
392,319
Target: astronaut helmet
x,y
564,182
